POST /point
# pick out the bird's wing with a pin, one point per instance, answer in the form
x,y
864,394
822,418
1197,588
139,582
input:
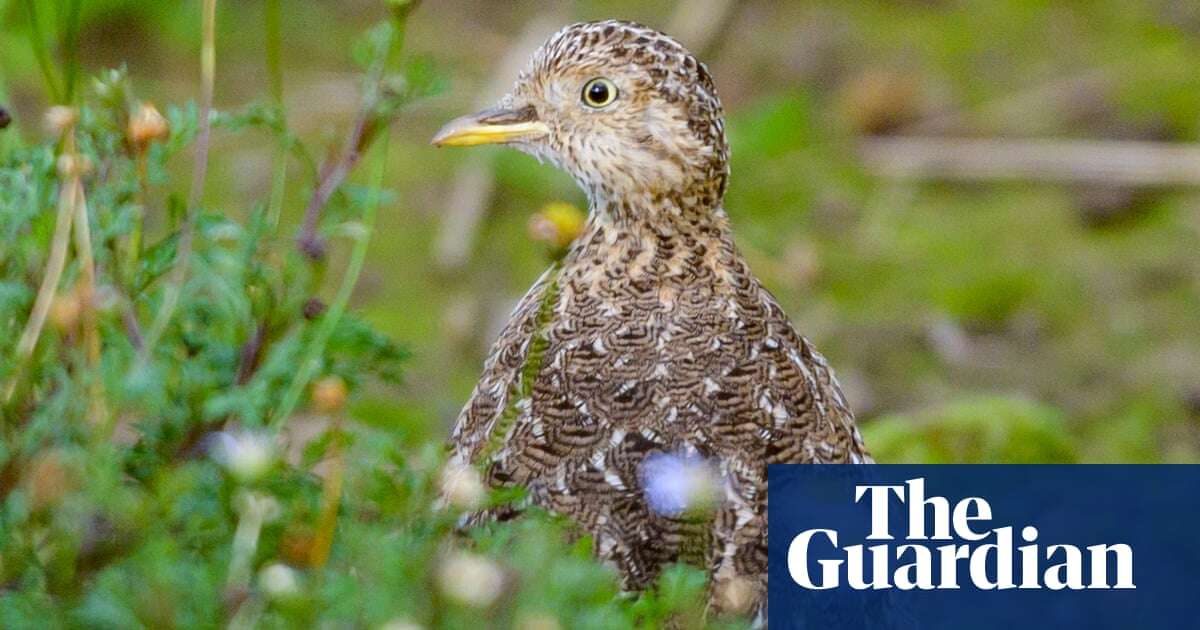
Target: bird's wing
x,y
809,420
499,384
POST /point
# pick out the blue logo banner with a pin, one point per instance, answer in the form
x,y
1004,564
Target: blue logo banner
x,y
984,546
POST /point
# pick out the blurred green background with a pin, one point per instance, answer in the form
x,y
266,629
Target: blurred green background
x,y
969,319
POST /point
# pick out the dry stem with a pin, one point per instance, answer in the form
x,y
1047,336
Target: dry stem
x,y
45,296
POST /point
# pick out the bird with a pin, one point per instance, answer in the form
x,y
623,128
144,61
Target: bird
x,y
651,338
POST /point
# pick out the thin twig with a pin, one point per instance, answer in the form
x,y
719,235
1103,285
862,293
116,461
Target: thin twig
x,y
250,354
208,70
310,361
1047,160
87,299
1038,109
274,56
45,296
132,328
331,497
332,176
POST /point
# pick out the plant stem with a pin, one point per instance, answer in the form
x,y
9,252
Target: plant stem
x,y
274,38
364,132
134,252
366,127
208,70
331,497
45,296
70,33
38,43
311,359
87,294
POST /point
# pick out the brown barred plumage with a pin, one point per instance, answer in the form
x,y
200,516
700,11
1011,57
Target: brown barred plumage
x,y
653,336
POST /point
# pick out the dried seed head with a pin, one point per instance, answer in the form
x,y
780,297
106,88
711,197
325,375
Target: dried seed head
x,y
65,311
49,480
279,582
329,394
313,308
60,119
146,125
72,166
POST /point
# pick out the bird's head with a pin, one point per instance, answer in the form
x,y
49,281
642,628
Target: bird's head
x,y
625,109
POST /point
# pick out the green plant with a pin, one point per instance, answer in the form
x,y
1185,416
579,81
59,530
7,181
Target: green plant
x,y
159,465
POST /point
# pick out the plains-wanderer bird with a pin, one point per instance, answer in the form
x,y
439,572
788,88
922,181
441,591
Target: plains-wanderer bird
x,y
651,338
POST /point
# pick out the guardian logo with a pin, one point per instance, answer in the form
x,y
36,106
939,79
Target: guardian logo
x,y
973,551
983,546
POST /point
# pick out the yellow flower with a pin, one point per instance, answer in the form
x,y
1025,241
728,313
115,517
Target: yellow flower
x,y
557,223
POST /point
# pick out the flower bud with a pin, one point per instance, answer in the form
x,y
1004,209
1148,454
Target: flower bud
x,y
470,579
65,310
329,394
313,308
70,166
247,456
146,125
60,119
279,582
49,479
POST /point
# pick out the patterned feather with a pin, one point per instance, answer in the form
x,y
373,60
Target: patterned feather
x,y
652,336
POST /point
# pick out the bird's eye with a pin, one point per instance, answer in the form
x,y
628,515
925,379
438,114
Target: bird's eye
x,y
599,93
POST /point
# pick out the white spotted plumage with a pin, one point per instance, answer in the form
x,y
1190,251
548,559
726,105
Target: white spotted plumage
x,y
652,337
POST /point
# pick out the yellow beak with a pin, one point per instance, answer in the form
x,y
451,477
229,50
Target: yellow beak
x,y
492,126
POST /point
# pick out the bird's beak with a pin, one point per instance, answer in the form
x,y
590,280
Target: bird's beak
x,y
492,126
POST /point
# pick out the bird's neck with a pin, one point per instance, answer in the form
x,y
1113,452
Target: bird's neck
x,y
660,238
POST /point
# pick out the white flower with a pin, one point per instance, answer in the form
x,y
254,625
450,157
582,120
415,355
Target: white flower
x,y
461,486
246,455
279,581
681,483
470,579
